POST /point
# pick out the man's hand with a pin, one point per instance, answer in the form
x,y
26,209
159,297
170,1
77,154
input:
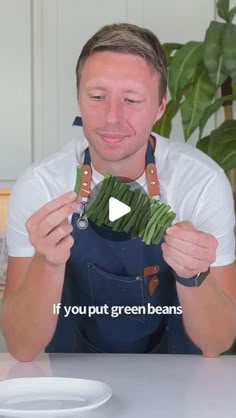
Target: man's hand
x,y
187,250
49,230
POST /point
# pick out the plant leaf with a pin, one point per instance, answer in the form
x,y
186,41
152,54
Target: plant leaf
x,y
203,144
222,145
210,110
229,50
212,53
228,124
183,67
164,125
232,13
169,48
223,9
193,108
227,159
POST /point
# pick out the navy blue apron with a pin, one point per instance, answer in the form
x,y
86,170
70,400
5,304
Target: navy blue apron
x,y
106,268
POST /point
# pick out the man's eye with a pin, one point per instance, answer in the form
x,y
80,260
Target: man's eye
x,y
97,97
131,101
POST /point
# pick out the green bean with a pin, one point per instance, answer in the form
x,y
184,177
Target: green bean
x,y
124,188
107,194
164,217
105,184
162,228
105,197
126,200
156,213
153,223
145,209
143,224
132,219
165,222
159,236
148,218
133,206
104,214
78,179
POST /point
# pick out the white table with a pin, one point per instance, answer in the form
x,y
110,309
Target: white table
x,y
145,386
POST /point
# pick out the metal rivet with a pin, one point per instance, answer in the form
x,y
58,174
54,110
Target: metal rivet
x,y
151,171
153,182
85,184
85,172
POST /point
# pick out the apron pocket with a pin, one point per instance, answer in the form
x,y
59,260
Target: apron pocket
x,y
116,291
83,345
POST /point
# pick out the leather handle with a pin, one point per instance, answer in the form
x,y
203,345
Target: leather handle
x,y
152,180
150,270
86,177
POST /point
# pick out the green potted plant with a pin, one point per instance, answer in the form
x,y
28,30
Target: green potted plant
x,y
202,79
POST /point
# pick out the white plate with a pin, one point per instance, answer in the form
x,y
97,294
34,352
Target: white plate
x,y
52,397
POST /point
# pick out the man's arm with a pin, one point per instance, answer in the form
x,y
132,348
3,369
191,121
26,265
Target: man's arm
x,y
33,285
209,311
26,319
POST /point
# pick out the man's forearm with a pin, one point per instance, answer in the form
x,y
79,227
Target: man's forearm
x,y
27,318
209,317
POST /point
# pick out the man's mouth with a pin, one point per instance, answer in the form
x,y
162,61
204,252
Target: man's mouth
x,y
112,138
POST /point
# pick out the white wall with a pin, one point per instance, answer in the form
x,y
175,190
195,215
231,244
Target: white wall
x,y
73,23
15,89
40,42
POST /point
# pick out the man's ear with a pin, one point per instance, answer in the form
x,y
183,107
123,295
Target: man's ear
x,y
78,104
161,108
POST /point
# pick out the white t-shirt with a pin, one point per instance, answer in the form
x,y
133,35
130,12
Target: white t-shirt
x,y
195,187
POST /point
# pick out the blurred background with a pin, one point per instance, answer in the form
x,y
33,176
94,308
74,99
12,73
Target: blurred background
x,y
40,42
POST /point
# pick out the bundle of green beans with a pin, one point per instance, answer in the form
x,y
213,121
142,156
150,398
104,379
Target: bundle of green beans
x,y
148,219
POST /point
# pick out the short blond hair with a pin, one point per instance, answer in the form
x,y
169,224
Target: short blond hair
x,y
126,38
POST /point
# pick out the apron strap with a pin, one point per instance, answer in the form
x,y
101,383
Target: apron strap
x,y
151,171
77,121
86,177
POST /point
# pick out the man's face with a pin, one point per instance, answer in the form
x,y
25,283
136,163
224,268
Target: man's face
x,y
119,103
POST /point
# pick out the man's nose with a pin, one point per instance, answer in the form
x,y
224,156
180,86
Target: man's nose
x,y
114,111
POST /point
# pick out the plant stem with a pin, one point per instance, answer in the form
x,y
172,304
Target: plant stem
x,y
226,89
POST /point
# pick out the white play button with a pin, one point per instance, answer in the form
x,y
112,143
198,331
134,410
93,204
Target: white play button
x,y
117,209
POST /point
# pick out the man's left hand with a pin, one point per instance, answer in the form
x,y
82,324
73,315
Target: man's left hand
x,y
187,250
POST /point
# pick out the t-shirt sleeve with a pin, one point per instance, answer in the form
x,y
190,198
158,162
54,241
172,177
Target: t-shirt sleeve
x,y
215,215
28,195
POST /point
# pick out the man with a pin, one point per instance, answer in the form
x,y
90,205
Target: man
x,y
121,82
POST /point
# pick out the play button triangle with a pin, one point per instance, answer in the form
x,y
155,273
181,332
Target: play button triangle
x,y
117,209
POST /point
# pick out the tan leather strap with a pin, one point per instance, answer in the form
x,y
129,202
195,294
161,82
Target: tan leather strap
x,y
151,175
152,285
150,270
152,180
86,176
154,280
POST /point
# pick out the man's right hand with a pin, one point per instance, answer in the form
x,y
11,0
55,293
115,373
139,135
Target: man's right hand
x,y
49,229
